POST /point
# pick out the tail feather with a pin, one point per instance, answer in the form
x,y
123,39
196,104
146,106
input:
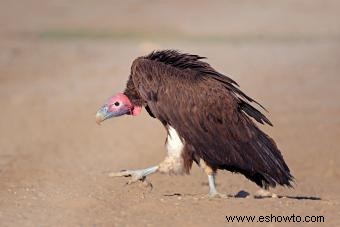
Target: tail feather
x,y
262,163
272,169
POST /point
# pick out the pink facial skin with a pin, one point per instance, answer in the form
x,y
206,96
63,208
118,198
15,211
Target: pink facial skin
x,y
136,110
116,106
121,102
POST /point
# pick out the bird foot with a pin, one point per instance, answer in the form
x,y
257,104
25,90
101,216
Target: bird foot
x,y
136,175
265,194
215,195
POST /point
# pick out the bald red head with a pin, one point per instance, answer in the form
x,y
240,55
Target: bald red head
x,y
115,106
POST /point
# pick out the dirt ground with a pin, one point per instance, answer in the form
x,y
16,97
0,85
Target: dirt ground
x,y
60,60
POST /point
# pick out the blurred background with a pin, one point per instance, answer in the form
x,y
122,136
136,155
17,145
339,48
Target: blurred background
x,y
60,60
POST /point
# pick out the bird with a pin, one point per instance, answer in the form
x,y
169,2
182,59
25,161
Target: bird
x,y
209,120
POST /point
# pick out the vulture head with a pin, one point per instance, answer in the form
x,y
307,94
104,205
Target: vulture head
x,y
116,106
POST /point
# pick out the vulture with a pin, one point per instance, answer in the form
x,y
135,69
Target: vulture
x,y
208,120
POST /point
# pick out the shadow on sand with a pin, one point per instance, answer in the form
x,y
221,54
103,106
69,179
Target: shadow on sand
x,y
244,194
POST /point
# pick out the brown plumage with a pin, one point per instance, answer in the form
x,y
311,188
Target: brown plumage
x,y
210,113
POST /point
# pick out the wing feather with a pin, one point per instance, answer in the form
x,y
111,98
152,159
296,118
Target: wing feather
x,y
212,120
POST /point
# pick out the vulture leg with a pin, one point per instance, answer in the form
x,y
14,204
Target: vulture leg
x,y
212,186
136,175
213,193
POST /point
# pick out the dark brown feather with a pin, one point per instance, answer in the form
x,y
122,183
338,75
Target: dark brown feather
x,y
209,113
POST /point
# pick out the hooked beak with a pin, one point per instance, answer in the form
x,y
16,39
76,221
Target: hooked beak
x,y
104,113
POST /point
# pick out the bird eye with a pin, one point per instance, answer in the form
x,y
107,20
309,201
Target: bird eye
x,y
116,103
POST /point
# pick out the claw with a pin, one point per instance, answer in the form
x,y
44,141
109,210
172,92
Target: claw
x,y
136,175
260,194
122,173
213,195
134,179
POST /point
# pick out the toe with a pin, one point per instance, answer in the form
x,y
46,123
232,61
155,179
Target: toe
x,y
217,195
123,173
265,194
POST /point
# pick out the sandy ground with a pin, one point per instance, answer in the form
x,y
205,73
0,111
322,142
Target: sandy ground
x,y
60,60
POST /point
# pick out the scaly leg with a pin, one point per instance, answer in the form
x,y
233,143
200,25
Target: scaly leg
x,y
211,180
212,187
136,175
